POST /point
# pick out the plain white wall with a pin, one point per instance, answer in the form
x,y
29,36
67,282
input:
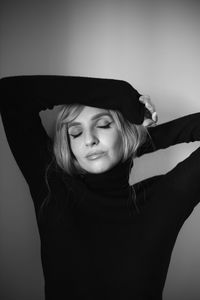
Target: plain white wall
x,y
155,45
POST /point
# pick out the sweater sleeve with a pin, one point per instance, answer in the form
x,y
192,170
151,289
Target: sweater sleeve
x,y
28,141
182,130
181,184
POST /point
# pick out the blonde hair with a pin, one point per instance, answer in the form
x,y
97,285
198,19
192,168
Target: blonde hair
x,y
132,137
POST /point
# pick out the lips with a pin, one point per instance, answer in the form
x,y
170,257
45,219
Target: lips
x,y
95,155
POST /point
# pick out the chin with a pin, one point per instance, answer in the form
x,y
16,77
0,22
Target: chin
x,y
98,168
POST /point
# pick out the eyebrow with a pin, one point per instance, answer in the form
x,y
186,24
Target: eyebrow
x,y
97,116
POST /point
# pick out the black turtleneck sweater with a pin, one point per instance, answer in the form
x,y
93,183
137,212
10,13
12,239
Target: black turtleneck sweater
x,y
100,237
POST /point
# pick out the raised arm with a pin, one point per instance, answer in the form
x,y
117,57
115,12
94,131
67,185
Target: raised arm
x,y
182,130
28,140
23,97
45,91
178,189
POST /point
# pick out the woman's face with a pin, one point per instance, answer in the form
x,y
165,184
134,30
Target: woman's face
x,y
95,140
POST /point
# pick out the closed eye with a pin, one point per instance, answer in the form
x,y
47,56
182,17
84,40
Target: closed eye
x,y
75,135
105,126
102,126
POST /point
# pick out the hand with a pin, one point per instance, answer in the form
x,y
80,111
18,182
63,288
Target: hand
x,y
151,117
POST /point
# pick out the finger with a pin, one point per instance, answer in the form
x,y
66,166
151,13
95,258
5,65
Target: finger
x,y
155,117
146,100
149,123
151,115
150,106
146,123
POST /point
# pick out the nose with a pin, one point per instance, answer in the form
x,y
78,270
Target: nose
x,y
91,138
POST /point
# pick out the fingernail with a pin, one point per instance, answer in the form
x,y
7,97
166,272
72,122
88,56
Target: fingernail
x,y
154,116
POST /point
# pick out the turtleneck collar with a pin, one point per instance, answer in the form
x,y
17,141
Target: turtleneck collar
x,y
113,183
104,197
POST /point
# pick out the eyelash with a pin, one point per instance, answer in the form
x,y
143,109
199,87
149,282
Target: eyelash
x,y
104,127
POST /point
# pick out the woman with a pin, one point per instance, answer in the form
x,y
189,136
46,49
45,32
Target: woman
x,y
100,237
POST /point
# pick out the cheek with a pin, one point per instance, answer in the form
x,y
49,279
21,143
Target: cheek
x,y
115,142
75,148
